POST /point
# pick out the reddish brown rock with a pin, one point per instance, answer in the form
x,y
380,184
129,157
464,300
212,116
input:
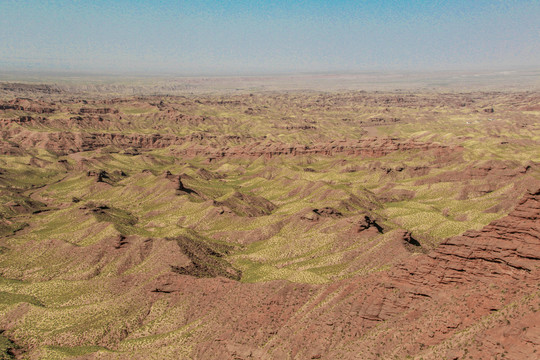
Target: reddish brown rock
x,y
98,111
423,302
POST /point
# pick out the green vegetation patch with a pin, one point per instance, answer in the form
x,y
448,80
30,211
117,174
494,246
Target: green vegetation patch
x,y
6,346
7,298
71,351
122,220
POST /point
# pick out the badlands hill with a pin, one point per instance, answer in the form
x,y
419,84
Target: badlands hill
x,y
269,225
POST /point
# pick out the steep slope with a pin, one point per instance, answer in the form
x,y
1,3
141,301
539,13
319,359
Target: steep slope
x,y
415,309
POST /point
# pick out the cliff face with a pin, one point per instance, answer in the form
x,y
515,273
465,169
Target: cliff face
x,y
367,147
71,142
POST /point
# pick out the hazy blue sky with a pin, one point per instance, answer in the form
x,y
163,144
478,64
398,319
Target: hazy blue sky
x,y
220,37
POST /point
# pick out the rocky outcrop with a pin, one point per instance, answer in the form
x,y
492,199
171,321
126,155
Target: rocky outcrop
x,y
100,175
180,188
495,169
10,148
247,205
69,142
205,260
97,111
368,147
22,104
367,222
317,214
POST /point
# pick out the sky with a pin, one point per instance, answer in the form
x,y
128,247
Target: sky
x,y
267,37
